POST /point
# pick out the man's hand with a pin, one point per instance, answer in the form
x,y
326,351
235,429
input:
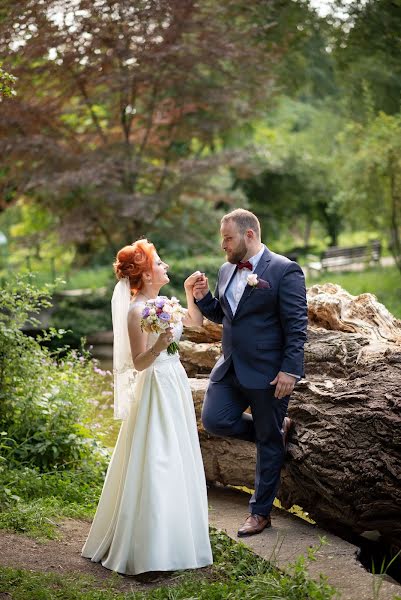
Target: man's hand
x,y
201,287
284,384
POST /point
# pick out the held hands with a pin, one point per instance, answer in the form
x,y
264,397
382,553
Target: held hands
x,y
163,341
197,284
284,385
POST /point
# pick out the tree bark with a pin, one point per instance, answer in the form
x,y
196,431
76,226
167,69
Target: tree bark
x,y
344,463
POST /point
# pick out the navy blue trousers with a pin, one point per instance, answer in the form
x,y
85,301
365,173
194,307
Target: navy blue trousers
x,y
223,414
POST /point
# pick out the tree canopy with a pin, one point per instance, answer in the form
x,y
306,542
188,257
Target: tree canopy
x,y
147,117
122,105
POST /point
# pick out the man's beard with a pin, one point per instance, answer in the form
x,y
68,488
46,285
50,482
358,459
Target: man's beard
x,y
238,254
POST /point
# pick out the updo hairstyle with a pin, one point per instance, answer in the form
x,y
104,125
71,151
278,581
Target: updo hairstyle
x,y
131,261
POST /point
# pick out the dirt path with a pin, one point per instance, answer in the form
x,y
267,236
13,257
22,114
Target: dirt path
x,y
288,538
64,556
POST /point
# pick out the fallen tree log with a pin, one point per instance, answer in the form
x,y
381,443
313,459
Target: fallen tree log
x,y
209,332
199,358
344,464
344,461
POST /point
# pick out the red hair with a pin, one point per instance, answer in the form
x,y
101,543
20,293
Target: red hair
x,y
134,260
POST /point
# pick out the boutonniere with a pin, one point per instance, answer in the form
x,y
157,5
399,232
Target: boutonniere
x,y
255,282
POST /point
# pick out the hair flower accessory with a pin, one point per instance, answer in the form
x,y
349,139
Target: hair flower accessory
x,y
255,282
159,314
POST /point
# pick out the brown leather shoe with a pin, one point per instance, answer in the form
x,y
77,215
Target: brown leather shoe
x,y
254,524
286,430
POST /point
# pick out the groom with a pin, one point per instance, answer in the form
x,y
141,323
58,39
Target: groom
x,y
264,331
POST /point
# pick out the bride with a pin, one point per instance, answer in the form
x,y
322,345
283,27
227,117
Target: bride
x,y
152,514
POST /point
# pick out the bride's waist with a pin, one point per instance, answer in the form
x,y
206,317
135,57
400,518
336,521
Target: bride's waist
x,y
166,357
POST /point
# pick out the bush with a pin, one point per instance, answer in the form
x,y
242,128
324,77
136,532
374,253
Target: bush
x,y
43,400
79,316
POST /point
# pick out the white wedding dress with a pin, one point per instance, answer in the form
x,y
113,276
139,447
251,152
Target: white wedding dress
x,y
152,514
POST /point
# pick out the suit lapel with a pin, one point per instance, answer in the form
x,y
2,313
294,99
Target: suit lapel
x,y
259,271
230,271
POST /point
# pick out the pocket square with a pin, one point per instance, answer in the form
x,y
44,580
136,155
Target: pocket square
x,y
262,284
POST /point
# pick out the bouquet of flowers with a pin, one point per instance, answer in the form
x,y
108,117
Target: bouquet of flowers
x,y
159,314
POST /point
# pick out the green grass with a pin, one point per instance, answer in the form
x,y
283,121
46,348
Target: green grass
x,y
38,517
38,499
383,282
347,239
88,278
237,573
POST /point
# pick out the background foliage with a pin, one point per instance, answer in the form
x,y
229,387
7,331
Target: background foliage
x,y
155,118
122,119
52,462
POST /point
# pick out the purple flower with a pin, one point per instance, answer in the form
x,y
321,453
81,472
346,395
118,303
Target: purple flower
x,y
146,312
164,316
99,371
159,302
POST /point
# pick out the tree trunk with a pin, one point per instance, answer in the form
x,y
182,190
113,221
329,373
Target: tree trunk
x,y
344,458
344,464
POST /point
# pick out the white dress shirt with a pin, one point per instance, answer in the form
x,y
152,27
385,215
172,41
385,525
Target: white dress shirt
x,y
238,282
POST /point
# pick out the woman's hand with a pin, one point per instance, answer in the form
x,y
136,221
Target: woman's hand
x,y
197,285
164,340
192,279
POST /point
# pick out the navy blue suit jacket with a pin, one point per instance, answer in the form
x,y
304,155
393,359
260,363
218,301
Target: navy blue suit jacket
x,y
268,331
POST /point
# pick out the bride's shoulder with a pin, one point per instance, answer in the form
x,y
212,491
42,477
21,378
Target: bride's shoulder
x,y
136,309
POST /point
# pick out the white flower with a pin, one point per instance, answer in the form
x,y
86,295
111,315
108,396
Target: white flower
x,y
252,279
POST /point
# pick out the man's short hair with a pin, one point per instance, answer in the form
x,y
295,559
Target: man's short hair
x,y
244,219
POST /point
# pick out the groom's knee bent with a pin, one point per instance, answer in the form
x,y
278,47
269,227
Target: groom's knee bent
x,y
217,424
210,422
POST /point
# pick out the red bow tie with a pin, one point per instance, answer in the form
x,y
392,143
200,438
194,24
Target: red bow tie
x,y
245,265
